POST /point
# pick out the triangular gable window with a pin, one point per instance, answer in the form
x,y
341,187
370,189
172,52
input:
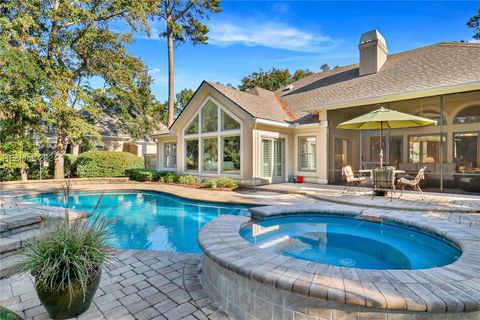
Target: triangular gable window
x,y
193,127
228,123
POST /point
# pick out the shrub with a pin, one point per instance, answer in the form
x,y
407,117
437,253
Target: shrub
x,y
226,182
210,183
105,164
222,182
169,177
143,174
188,179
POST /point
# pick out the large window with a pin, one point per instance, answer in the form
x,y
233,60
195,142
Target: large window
x,y
191,156
209,117
231,154
468,115
210,154
170,155
307,154
218,129
193,127
466,152
425,149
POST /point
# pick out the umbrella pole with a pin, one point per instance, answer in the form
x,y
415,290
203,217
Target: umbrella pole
x,y
381,144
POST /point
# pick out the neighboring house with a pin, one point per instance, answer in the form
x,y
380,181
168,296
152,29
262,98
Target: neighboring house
x,y
261,136
113,139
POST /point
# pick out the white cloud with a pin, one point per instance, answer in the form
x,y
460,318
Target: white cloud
x,y
267,34
474,41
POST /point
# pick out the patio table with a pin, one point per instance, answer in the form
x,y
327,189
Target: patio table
x,y
381,191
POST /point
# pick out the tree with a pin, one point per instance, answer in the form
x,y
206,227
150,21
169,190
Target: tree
x,y
183,23
22,80
182,99
75,43
474,23
300,73
273,79
324,67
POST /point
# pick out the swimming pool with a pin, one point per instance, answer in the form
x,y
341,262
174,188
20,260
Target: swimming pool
x,y
147,220
350,242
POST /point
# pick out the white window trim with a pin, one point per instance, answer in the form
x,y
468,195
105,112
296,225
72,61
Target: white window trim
x,y
296,163
219,134
298,152
174,168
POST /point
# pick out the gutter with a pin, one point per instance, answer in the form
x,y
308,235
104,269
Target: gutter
x,y
456,88
284,124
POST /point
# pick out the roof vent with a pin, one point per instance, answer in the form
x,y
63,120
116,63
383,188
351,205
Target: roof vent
x,y
373,52
287,88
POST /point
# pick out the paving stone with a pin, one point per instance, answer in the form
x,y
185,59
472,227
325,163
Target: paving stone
x,y
180,311
147,314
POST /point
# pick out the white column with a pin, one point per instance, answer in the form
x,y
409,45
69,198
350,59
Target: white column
x,y
322,150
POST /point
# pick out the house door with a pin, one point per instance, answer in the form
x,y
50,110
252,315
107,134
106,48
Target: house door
x,y
273,160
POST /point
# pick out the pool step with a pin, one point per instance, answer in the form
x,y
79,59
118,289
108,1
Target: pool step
x,y
14,222
8,265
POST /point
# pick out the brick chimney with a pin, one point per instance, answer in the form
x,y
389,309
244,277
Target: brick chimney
x,y
373,52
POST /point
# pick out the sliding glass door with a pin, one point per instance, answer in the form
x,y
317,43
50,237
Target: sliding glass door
x,y
273,159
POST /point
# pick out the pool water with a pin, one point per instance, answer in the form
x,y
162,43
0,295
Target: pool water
x,y
350,242
147,220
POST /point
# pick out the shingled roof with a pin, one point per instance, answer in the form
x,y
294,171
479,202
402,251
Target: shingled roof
x,y
440,65
435,66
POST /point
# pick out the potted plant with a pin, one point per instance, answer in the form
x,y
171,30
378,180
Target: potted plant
x,y
66,262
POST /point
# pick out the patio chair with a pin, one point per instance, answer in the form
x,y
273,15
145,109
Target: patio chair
x,y
352,180
383,179
415,183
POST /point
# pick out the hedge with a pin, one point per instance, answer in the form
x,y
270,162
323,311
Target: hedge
x,y
106,164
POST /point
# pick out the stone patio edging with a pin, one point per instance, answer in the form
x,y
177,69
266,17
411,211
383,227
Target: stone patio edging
x,y
454,288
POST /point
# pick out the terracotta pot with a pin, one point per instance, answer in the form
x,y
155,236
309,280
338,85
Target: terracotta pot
x,y
58,304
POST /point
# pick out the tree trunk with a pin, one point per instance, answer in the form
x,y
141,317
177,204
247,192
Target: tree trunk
x,y
171,91
60,150
23,173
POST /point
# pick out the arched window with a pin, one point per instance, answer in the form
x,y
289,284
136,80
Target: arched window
x,y
212,141
432,115
468,115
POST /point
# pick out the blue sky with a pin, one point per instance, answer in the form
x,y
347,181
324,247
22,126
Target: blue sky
x,y
248,35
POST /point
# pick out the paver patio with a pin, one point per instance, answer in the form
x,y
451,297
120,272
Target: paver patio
x,y
136,285
163,285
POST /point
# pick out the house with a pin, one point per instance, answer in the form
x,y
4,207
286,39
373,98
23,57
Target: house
x,y
261,136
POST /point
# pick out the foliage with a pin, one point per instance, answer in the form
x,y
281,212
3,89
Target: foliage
x,y
474,23
143,174
169,177
22,80
72,43
183,20
6,314
188,179
324,67
222,182
181,100
68,252
273,79
210,183
69,165
104,164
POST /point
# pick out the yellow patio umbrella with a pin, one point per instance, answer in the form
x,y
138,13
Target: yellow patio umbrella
x,y
385,118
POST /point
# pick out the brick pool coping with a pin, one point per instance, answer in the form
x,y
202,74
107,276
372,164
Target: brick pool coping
x,y
453,288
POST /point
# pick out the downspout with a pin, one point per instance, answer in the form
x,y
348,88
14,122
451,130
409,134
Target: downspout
x,y
441,143
255,169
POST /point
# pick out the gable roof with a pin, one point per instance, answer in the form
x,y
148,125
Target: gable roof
x,y
436,66
258,102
